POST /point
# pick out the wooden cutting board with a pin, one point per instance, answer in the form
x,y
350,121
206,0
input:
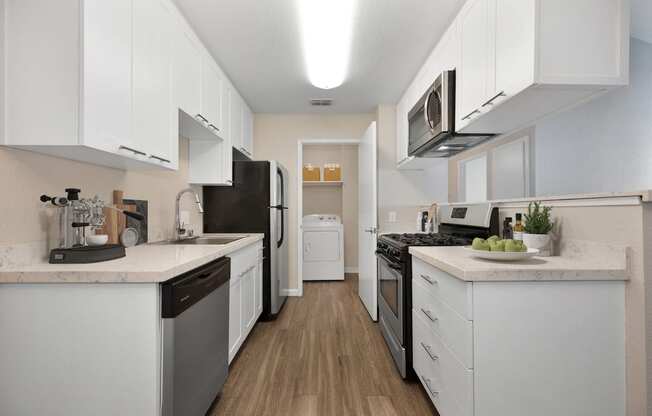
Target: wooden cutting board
x,y
115,222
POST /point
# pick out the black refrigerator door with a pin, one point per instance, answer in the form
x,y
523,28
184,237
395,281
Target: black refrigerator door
x,y
243,207
281,205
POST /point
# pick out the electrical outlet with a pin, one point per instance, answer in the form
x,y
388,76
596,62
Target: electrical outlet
x,y
392,216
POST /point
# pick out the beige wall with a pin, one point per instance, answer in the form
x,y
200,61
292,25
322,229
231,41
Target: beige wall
x,y
24,176
342,201
276,137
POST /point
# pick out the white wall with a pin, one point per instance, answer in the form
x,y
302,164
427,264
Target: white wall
x,y
402,192
604,145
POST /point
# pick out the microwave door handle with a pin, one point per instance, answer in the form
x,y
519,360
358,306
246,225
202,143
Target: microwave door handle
x,y
425,110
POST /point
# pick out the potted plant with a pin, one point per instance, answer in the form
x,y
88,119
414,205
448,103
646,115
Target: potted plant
x,y
537,228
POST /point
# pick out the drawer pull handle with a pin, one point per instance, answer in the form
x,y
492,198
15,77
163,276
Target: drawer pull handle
x,y
428,279
429,315
470,114
429,387
492,99
246,271
160,159
134,151
428,350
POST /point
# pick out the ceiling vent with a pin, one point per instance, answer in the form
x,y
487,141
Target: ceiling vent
x,y
321,102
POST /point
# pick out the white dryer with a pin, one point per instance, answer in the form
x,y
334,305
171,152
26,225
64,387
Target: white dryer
x,y
323,247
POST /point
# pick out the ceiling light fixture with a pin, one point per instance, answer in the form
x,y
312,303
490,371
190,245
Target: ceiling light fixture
x,y
326,29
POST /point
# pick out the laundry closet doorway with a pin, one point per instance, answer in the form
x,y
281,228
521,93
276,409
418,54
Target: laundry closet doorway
x,y
327,209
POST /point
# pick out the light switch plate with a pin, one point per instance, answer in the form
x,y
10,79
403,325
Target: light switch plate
x,y
392,216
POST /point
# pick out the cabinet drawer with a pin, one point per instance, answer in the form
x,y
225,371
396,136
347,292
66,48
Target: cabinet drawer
x,y
455,293
245,258
455,331
445,378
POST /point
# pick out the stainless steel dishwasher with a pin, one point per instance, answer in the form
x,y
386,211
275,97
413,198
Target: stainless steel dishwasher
x,y
195,311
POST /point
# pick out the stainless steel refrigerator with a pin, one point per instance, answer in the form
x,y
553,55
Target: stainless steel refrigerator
x,y
256,203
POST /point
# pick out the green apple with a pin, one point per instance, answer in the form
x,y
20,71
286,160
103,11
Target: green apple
x,y
480,244
497,245
512,246
493,238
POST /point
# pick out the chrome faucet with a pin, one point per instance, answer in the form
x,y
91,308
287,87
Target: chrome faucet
x,y
179,231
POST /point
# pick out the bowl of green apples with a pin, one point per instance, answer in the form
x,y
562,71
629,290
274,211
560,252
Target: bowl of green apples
x,y
495,248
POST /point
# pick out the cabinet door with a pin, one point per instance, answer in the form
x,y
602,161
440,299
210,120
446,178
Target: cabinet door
x,y
211,89
107,103
248,298
258,286
402,129
152,79
247,130
474,58
186,72
227,144
513,28
235,115
235,317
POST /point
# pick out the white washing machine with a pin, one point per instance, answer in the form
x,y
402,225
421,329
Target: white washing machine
x,y
323,247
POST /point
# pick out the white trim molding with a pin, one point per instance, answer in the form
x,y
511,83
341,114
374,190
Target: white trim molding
x,y
351,269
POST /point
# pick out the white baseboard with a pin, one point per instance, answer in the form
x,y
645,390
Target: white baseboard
x,y
293,292
351,269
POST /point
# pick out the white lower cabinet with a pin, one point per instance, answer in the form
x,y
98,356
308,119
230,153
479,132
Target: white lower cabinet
x,y
535,348
245,303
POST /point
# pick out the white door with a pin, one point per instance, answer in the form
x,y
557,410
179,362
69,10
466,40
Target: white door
x,y
368,221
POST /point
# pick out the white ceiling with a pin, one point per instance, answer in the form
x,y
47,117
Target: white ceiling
x,y
257,43
642,20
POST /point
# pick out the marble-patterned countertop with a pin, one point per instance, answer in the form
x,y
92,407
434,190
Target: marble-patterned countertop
x,y
578,262
147,263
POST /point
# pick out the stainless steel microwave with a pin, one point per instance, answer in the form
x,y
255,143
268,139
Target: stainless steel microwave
x,y
432,122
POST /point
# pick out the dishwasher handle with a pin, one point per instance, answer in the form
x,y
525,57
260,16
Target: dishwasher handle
x,y
184,291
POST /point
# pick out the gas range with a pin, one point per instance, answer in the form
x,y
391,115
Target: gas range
x,y
460,224
396,245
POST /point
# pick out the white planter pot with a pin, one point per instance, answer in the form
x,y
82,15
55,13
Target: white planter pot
x,y
539,241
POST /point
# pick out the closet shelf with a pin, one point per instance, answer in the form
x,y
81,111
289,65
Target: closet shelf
x,y
323,183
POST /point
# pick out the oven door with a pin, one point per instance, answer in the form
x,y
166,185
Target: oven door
x,y
390,296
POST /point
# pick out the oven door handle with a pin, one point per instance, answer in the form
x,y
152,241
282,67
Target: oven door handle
x,y
390,264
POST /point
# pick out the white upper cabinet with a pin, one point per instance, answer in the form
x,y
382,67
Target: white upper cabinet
x,y
535,57
518,61
235,124
513,67
247,130
473,74
186,72
211,82
152,87
107,86
107,74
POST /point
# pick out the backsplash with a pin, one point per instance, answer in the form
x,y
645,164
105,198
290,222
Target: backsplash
x,y
29,228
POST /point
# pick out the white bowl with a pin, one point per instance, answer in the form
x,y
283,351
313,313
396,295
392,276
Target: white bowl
x,y
502,255
97,239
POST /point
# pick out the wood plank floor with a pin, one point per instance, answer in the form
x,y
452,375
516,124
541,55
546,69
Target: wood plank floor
x,y
323,356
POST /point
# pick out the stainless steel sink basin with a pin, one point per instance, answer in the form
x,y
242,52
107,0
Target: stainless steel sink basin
x,y
204,240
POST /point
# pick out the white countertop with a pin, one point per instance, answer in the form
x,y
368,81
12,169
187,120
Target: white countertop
x,y
607,263
147,263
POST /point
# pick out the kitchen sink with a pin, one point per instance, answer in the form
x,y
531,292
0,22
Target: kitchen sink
x,y
204,240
